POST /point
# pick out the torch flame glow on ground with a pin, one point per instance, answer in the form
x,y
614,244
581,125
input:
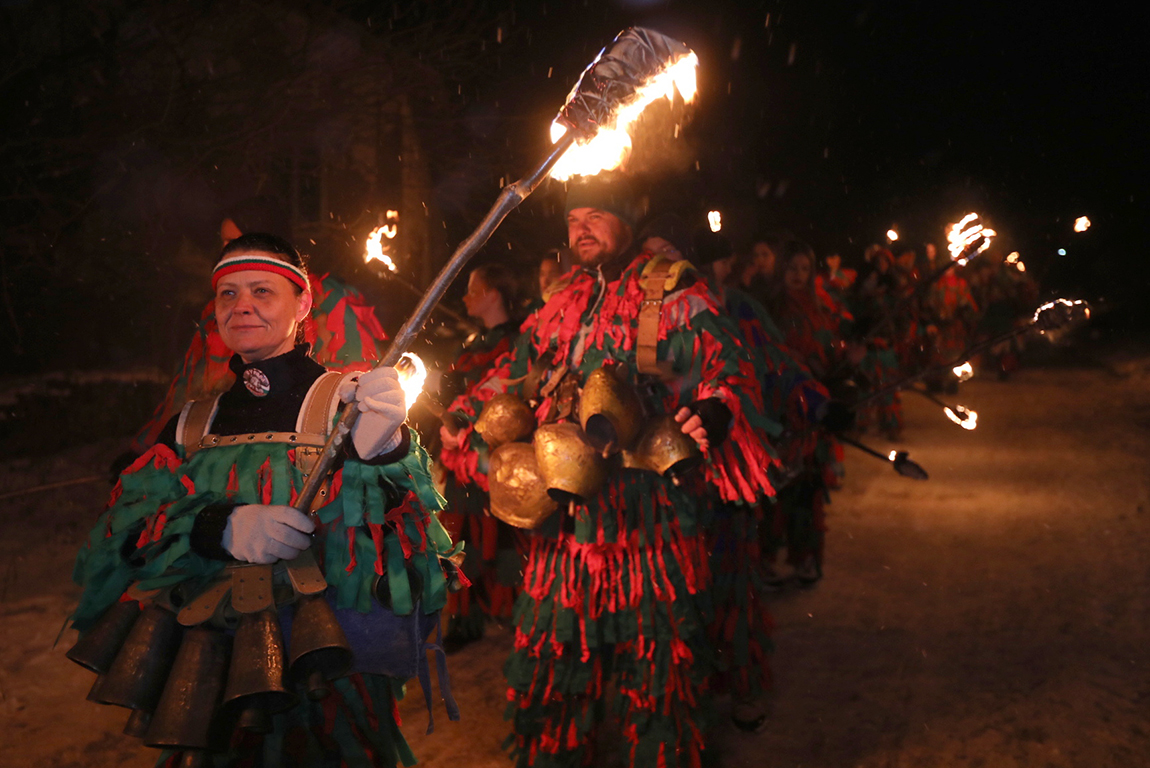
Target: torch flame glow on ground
x,y
714,220
412,375
963,417
611,144
374,249
964,372
964,234
1081,224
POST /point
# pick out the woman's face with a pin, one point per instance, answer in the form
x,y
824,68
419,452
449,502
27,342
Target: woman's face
x,y
798,273
258,312
764,260
480,298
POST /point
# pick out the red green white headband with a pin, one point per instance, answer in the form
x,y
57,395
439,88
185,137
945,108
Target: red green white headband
x,y
262,262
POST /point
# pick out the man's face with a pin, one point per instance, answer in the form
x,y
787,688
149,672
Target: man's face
x,y
596,236
931,251
257,313
834,261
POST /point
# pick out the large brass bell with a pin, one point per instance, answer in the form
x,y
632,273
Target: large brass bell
x,y
319,649
609,410
570,465
256,684
664,448
505,418
97,647
184,716
518,492
137,674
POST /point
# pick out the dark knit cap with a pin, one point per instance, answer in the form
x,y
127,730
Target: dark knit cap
x,y
607,193
672,229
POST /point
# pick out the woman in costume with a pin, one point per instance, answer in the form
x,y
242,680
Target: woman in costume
x,y
199,542
493,564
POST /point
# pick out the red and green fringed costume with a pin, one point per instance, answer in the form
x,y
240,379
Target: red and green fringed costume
x,y
380,520
811,322
494,563
344,333
622,591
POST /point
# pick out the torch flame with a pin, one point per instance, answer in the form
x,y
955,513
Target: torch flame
x,y
1070,305
611,144
963,417
1081,224
714,220
893,455
964,372
892,236
374,249
412,375
966,233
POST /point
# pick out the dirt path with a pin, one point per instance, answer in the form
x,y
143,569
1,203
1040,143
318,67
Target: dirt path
x,y
994,616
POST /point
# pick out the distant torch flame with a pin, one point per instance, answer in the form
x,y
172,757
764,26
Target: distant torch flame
x,y
1070,305
1016,260
892,236
893,455
963,235
714,220
611,144
1081,224
374,249
963,417
964,372
412,375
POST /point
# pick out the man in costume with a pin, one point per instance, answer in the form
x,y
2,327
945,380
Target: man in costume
x,y
617,583
199,542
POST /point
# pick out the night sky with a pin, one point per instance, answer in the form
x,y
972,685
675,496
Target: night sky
x,y
834,121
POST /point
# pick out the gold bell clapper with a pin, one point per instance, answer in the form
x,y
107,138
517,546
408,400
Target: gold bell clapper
x,y
609,410
185,717
137,675
256,685
98,646
572,468
664,448
319,650
518,491
505,419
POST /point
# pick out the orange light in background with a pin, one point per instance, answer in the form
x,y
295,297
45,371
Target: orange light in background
x,y
377,247
964,372
714,220
963,417
1081,224
892,236
961,236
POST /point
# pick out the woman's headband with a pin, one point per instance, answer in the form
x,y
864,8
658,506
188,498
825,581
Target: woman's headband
x,y
258,261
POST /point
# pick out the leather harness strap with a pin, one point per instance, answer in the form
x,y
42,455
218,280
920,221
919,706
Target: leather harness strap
x,y
654,283
193,425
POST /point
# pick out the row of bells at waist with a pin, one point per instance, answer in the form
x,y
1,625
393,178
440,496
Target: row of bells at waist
x,y
190,687
571,461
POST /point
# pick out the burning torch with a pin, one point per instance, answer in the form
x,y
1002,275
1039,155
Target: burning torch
x,y
590,134
899,460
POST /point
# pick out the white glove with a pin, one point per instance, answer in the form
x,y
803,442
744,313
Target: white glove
x,y
383,409
259,533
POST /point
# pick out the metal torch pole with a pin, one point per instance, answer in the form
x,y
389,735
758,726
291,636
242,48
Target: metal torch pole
x,y
508,200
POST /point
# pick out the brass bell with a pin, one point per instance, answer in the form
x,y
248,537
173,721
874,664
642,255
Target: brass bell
x,y
98,646
505,418
256,673
137,674
518,493
570,465
665,449
609,410
184,716
319,649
